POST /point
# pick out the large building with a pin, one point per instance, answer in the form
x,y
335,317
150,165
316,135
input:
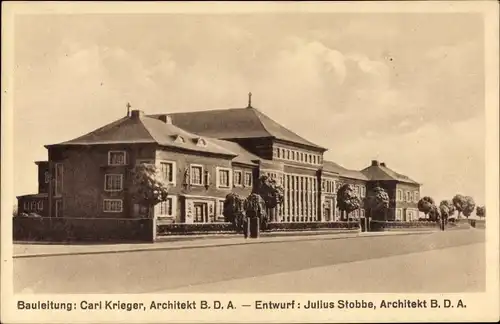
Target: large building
x,y
204,155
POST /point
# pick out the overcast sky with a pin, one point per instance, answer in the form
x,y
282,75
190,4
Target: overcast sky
x,y
407,89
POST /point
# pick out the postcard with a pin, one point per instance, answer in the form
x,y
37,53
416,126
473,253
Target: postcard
x,y
237,162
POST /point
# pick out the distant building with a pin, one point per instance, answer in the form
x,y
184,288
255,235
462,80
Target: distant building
x,y
204,156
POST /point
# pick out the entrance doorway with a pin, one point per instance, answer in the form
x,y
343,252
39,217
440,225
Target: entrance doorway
x,y
200,212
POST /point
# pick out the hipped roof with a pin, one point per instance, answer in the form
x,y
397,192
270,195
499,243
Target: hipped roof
x,y
236,123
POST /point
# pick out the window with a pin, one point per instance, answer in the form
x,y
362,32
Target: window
x,y
293,155
237,178
223,178
167,171
248,179
116,157
113,205
165,208
201,142
33,206
279,152
398,214
26,205
113,182
314,159
356,191
196,175
363,191
362,211
408,196
288,154
221,208
39,205
400,195
59,179
179,139
47,176
415,196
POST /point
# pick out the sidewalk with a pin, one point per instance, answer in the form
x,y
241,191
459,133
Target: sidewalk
x,y
27,250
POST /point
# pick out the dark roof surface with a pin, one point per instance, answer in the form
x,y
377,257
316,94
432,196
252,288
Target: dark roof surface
x,y
143,129
383,173
343,172
235,123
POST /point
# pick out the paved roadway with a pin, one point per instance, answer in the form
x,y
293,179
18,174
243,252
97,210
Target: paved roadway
x,y
451,261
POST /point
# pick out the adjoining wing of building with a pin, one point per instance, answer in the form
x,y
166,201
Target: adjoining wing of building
x,y
204,155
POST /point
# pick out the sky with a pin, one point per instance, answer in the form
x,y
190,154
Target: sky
x,y
405,89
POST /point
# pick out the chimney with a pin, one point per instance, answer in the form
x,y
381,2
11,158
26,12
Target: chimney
x,y
136,114
375,163
166,119
382,164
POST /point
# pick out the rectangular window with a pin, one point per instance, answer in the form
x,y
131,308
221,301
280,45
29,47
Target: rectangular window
x,y
117,157
237,178
221,209
400,195
293,155
47,176
39,205
167,171
363,191
165,208
196,175
416,196
408,196
248,179
113,182
288,154
26,205
33,206
113,205
224,178
59,179
398,214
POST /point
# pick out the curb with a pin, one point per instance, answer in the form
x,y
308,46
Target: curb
x,y
244,242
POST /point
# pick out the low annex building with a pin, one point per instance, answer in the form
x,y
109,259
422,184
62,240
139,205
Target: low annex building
x,y
204,155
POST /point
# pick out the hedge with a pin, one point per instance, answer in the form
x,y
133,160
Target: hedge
x,y
275,227
194,229
52,229
228,228
382,225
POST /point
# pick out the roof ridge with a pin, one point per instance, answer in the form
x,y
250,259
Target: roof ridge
x,y
195,111
280,125
147,129
257,112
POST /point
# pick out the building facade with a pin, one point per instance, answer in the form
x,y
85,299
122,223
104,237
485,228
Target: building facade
x,y
203,156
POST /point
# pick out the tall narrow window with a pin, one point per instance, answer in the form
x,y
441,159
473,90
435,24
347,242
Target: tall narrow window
x,y
237,178
59,179
167,171
224,178
196,175
248,179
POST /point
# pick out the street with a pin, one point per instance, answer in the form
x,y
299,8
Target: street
x,y
451,261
